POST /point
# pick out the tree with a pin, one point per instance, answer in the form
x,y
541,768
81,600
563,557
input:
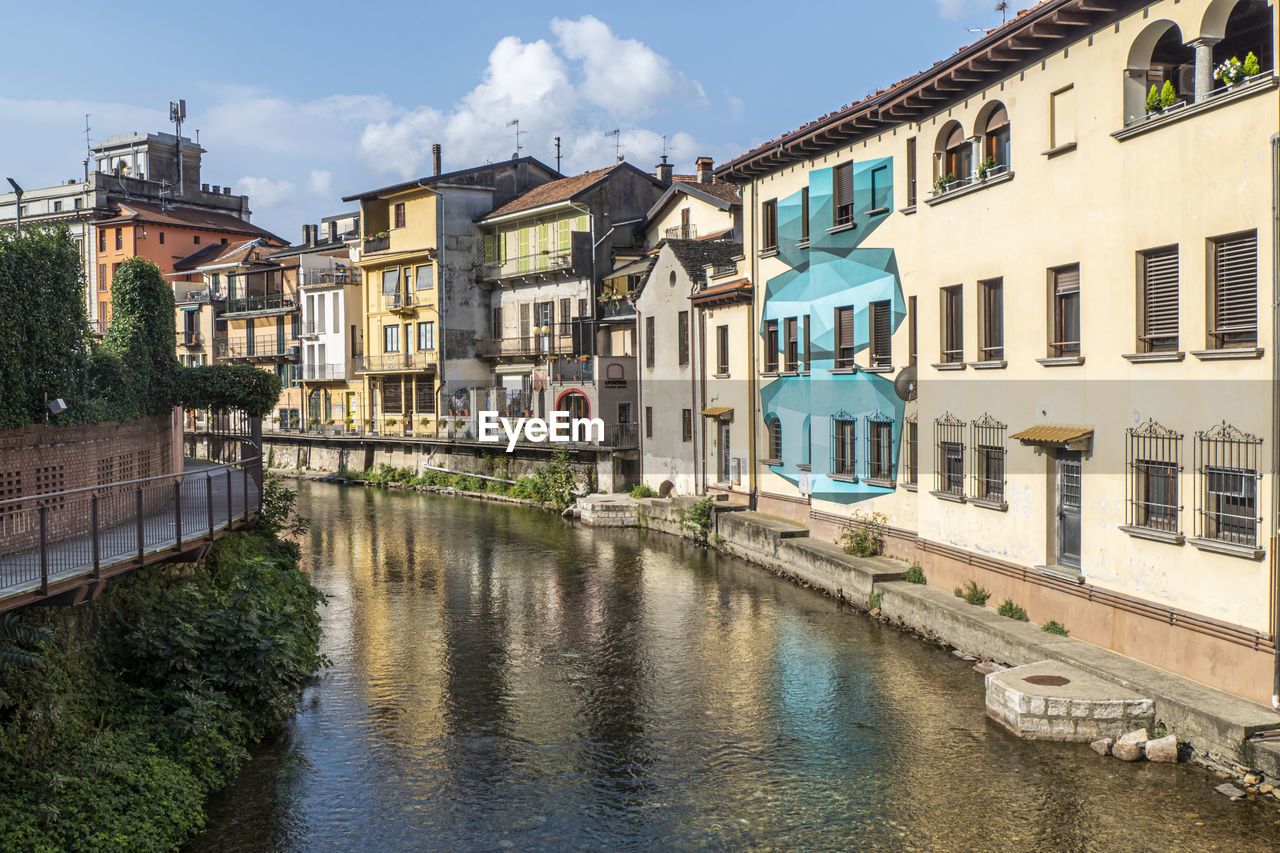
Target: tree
x,y
142,338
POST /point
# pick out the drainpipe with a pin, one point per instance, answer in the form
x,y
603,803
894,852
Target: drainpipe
x,y
1275,412
756,287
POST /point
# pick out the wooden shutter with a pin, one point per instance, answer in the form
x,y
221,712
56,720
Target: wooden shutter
x,y
881,334
649,342
524,320
722,349
1066,280
564,315
771,345
844,193
1235,298
1160,299
806,343
911,172
792,330
683,331
564,241
844,337
490,250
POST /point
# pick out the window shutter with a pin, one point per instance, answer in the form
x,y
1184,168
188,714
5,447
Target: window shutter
x,y
490,254
524,319
649,342
844,328
881,316
1160,297
1235,274
844,184
683,321
1066,281
564,241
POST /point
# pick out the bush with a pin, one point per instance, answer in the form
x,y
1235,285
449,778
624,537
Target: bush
x,y
697,520
643,491
1168,95
973,594
1251,65
141,336
915,574
864,535
224,386
1011,610
1153,99
874,600
551,484
1053,627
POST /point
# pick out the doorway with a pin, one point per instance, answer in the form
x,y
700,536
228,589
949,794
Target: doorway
x,y
1069,501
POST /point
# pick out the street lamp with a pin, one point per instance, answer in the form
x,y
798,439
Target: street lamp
x,y
17,190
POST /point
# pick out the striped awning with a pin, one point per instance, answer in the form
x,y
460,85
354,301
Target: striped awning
x,y
1055,436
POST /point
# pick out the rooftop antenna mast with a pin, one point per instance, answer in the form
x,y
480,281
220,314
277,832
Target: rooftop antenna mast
x,y
516,123
88,148
667,148
557,154
1003,8
617,142
177,115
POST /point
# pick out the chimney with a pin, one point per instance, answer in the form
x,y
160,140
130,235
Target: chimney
x,y
435,159
308,235
204,188
226,190
663,172
704,170
332,228
216,188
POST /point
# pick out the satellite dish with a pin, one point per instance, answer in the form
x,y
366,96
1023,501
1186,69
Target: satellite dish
x,y
904,384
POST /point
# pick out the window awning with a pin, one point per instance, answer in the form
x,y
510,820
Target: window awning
x,y
724,413
1072,438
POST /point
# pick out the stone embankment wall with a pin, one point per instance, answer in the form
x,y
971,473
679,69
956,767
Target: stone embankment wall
x,y
45,458
1220,727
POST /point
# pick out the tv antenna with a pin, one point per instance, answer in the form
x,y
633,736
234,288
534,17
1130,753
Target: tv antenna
x,y
557,154
617,142
516,123
667,148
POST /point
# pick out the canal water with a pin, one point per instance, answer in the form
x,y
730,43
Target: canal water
x,y
502,679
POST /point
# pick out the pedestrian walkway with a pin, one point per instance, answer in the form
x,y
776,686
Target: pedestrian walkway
x,y
56,542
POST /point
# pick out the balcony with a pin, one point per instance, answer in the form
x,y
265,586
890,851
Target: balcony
x,y
277,303
392,362
564,339
324,372
257,348
538,265
681,232
189,339
379,243
407,300
620,309
326,278
573,370
198,297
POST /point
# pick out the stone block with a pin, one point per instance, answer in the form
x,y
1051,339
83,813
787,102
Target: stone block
x,y
1057,707
1102,746
1080,709
1064,728
1127,751
1108,710
1163,750
1035,705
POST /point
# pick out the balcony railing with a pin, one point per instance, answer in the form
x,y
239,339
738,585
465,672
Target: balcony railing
x,y
377,244
323,372
402,299
259,346
533,346
573,370
274,302
189,339
681,232
199,296
613,310
537,264
393,361
315,278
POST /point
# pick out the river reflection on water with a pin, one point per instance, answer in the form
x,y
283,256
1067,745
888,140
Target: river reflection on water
x,y
504,680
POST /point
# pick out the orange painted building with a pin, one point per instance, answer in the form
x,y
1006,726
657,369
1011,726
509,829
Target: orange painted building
x,y
164,235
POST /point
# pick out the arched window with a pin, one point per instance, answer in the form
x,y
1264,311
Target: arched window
x,y
1243,27
953,157
993,130
774,426
1157,55
575,403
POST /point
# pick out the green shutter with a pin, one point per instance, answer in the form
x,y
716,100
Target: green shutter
x,y
522,248
565,242
490,253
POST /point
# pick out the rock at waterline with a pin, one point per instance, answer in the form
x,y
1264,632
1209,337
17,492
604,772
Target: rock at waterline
x,y
1102,746
1163,750
1130,747
1229,790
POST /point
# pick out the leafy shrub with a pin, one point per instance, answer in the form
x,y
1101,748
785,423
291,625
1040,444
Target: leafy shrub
x,y
697,520
1168,96
1054,627
1011,610
915,574
874,600
864,535
551,484
1153,99
973,594
643,491
227,386
141,337
1251,65
277,516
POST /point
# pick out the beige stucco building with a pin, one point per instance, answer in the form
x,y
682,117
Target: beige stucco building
x,y
1082,288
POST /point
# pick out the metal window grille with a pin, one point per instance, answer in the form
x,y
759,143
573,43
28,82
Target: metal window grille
x,y
775,438
1235,291
843,181
1153,465
952,325
686,424
988,436
879,446
770,345
650,342
682,324
948,454
792,332
881,333
844,337
910,450
426,396
991,302
722,349
1066,311
1159,294
392,396
844,448
1226,492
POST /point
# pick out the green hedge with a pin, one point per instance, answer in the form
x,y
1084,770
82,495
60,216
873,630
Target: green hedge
x,y
249,389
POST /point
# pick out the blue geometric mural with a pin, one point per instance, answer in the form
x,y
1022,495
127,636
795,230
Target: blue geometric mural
x,y
834,272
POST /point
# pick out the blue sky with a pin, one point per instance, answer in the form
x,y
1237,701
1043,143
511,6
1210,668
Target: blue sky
x,y
299,104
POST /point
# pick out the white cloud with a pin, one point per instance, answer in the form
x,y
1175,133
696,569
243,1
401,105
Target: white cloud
x,y
265,192
320,182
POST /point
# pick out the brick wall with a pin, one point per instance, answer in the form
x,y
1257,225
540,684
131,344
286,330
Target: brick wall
x,y
43,458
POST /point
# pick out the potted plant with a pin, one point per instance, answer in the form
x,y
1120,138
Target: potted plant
x,y
1153,99
425,422
941,183
1252,68
986,166
391,422
1230,72
350,424
1168,95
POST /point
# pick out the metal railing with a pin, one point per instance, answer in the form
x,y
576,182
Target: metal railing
x,y
560,342
274,302
681,232
323,372
313,278
376,244
538,263
189,339
58,537
199,296
611,310
259,346
420,360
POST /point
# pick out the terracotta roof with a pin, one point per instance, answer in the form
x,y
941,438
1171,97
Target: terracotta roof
x,y
1053,435
186,217
740,287
878,108
223,255
553,191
